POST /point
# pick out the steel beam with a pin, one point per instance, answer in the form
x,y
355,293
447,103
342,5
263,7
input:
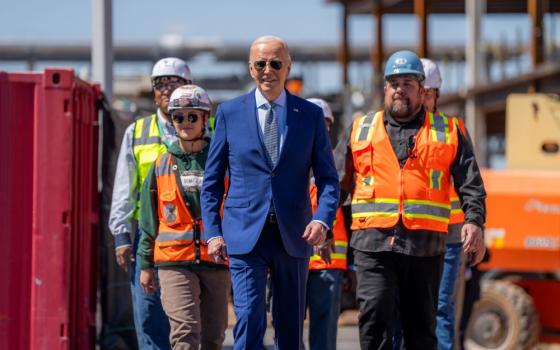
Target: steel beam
x,y
474,119
421,12
102,45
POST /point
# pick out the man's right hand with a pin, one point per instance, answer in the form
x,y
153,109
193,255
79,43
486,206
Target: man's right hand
x,y
324,250
217,250
473,243
148,281
124,257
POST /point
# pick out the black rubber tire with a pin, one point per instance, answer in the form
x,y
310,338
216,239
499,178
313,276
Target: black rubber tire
x,y
503,319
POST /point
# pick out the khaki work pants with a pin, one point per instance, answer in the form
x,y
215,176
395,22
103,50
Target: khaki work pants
x,y
196,305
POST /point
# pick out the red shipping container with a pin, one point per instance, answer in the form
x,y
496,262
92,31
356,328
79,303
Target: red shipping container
x,y
49,210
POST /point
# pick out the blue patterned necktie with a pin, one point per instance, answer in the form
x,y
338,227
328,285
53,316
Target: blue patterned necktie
x,y
271,134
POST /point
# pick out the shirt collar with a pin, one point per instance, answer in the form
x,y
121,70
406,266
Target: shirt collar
x,y
163,121
261,100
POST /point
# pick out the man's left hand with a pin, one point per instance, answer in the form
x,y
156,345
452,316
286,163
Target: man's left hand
x,y
473,243
315,233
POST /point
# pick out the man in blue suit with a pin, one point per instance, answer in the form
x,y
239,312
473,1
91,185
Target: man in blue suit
x,y
267,142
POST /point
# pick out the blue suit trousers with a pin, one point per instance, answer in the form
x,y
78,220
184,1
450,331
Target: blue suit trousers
x,y
249,276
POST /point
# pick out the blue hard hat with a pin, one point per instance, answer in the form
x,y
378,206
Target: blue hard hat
x,y
404,62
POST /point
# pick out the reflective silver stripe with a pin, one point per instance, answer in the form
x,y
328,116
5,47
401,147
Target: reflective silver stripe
x,y
436,177
145,129
455,204
427,210
164,167
340,250
374,207
440,127
170,236
365,125
145,138
150,140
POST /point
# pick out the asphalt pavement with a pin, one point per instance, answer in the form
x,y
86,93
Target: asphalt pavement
x,y
347,338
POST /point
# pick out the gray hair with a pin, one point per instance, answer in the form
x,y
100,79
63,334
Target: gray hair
x,y
268,38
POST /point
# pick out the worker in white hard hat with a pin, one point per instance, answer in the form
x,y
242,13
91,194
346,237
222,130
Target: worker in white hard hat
x,y
143,141
449,298
432,84
327,266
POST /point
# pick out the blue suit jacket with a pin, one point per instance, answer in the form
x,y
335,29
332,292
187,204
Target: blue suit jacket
x,y
237,151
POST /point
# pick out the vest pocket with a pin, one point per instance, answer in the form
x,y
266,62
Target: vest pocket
x,y
364,187
362,153
148,157
169,208
175,243
441,155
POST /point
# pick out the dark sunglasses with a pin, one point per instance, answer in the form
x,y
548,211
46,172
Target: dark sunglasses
x,y
170,84
261,64
179,117
167,86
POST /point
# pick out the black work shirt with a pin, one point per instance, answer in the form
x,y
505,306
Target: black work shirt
x,y
466,177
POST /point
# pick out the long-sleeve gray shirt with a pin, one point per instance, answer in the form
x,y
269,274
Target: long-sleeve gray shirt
x,y
126,188
466,177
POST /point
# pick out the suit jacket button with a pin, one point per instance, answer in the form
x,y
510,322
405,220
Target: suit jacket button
x,y
273,174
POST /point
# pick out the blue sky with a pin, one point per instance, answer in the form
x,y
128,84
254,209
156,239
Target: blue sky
x,y
226,20
239,21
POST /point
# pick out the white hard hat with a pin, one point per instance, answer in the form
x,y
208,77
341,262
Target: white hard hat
x,y
172,67
433,77
190,96
324,106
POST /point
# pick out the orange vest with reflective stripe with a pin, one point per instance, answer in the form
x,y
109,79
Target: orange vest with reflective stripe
x,y
419,192
179,236
340,237
457,216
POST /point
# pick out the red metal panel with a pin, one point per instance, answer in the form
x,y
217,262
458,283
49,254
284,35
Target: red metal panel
x,y
85,202
49,217
52,205
16,192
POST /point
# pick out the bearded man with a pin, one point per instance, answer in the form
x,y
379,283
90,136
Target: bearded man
x,y
398,165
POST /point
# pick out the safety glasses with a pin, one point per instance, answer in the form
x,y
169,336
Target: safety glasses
x,y
180,117
261,64
170,86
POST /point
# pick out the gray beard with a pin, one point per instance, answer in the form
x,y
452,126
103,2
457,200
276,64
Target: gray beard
x,y
401,110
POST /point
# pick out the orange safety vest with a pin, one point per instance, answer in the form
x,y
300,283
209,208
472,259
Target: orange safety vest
x,y
180,237
419,192
457,216
340,237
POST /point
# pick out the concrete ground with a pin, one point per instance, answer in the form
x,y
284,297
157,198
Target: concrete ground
x,y
347,337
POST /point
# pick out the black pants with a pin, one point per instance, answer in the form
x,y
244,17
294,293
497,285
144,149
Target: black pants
x,y
415,280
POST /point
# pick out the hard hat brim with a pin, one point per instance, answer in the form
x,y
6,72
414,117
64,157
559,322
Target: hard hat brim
x,y
421,77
